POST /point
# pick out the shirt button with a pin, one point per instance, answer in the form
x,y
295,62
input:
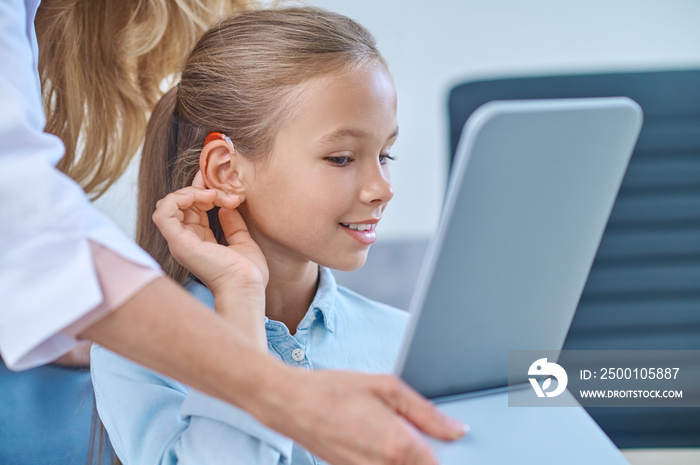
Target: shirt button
x,y
298,355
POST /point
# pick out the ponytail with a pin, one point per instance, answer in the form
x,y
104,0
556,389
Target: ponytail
x,y
169,161
159,146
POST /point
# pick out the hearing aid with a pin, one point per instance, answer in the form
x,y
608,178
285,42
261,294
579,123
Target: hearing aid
x,y
212,136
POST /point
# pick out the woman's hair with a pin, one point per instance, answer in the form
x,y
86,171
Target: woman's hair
x,y
102,64
240,79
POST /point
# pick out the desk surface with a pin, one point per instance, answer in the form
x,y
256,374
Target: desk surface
x,y
505,435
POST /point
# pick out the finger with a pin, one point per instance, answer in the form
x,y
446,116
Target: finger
x,y
195,216
169,217
180,208
173,203
188,207
422,413
222,198
234,227
420,452
203,200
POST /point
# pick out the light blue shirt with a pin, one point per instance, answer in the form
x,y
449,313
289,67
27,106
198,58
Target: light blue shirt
x,y
152,419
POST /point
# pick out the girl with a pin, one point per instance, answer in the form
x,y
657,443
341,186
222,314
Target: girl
x,y
291,115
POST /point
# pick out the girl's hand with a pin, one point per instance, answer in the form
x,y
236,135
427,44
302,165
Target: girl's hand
x,y
236,274
182,219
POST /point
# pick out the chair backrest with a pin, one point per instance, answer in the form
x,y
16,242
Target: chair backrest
x,y
643,291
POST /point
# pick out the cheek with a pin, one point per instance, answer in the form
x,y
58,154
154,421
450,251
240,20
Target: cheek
x,y
286,205
311,206
317,192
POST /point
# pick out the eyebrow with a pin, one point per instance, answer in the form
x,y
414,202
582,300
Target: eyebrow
x,y
346,133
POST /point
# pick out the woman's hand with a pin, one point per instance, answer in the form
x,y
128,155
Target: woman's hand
x,y
354,418
236,274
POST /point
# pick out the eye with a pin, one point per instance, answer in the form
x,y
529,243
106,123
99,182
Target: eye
x,y
339,161
384,157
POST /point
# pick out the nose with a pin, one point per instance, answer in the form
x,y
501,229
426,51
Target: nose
x,y
376,186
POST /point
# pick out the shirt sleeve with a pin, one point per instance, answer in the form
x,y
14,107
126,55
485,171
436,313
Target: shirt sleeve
x,y
48,275
119,280
230,432
152,419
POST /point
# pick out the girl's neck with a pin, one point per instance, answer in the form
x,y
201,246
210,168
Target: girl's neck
x,y
290,291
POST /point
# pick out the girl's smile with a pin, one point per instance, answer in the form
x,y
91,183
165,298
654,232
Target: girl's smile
x,y
364,232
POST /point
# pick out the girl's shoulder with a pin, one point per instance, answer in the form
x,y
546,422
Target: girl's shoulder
x,y
364,307
369,330
113,373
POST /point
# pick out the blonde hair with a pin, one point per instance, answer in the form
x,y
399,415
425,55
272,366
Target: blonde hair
x,y
102,64
239,79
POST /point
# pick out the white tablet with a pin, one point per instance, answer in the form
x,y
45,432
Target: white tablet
x,y
530,194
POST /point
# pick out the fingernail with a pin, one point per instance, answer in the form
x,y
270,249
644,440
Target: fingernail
x,y
459,428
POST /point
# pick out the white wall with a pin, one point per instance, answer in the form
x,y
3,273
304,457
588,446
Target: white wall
x,y
434,45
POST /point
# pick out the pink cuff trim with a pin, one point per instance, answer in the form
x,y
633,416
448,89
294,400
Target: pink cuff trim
x,y
120,279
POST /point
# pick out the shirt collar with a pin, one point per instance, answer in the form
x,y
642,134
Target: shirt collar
x,y
323,304
322,308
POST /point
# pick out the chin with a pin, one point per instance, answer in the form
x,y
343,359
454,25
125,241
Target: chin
x,y
350,263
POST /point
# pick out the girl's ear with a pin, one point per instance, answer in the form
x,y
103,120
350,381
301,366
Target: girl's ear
x,y
221,166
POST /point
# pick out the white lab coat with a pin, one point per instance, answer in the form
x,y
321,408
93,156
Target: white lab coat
x,y
47,276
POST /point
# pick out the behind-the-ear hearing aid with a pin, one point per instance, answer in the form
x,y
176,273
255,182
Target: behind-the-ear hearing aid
x,y
212,136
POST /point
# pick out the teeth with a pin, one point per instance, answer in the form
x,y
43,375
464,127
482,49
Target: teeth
x,y
358,226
